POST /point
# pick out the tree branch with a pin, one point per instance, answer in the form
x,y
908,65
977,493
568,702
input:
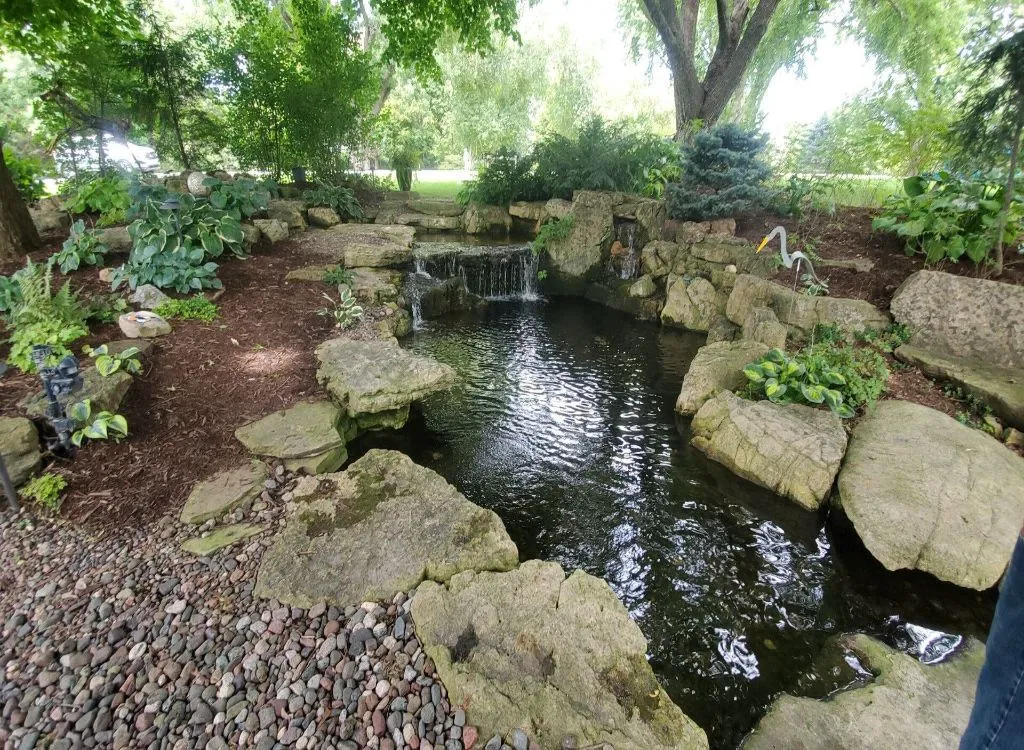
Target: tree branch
x,y
729,72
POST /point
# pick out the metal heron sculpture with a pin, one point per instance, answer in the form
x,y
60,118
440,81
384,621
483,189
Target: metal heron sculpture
x,y
797,258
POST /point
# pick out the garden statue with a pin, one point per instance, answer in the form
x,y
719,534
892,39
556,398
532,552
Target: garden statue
x,y
810,278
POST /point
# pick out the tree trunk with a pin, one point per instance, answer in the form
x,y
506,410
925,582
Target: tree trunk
x,y
18,235
1004,214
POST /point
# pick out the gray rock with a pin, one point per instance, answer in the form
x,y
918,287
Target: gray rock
x,y
377,529
148,297
143,324
274,230
250,235
791,449
534,650
50,217
660,258
444,207
116,239
762,325
926,492
364,245
529,210
722,329
907,705
691,304
323,217
963,317
717,367
446,297
481,219
105,393
220,538
290,212
19,446
375,381
305,437
583,249
223,492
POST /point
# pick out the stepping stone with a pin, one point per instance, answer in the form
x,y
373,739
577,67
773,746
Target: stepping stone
x,y
1000,388
907,705
223,492
792,449
19,446
105,393
553,656
717,367
362,245
217,539
374,382
382,526
305,437
925,492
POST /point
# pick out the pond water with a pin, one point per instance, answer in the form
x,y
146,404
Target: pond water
x,y
562,422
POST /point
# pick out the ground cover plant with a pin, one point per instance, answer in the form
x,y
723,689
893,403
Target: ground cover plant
x,y
189,308
45,490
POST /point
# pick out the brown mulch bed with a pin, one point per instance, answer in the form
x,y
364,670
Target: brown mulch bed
x,y
201,383
849,235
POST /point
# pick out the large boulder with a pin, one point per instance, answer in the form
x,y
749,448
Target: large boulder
x,y
483,219
19,447
104,393
442,207
717,367
763,325
580,253
445,297
374,382
116,239
691,304
223,492
381,527
554,656
530,210
800,312
999,388
660,258
50,217
791,449
908,704
964,317
305,437
364,245
291,213
926,492
323,217
274,230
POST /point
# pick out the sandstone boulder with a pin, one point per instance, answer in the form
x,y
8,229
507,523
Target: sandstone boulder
x,y
143,324
659,259
223,492
763,325
482,219
116,239
791,449
964,317
529,210
436,207
383,526
554,656
722,329
364,245
323,217
643,287
50,217
19,447
907,705
305,437
558,208
581,251
148,297
690,303
291,213
926,492
717,367
274,230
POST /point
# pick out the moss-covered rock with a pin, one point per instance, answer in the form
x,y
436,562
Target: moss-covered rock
x,y
19,446
220,538
105,393
306,437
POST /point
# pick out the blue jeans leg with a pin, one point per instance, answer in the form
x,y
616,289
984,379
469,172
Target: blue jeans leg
x,y
997,720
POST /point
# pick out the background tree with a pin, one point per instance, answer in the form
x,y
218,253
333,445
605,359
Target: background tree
x,y
993,121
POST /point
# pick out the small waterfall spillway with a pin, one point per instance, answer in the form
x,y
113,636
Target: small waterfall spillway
x,y
626,234
456,272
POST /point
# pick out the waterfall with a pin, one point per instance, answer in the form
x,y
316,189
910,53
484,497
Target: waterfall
x,y
631,263
501,272
414,284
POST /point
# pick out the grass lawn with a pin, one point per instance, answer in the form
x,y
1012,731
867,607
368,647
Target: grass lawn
x,y
438,188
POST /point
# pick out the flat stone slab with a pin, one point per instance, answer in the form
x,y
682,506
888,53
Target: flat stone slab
x,y
105,393
554,656
19,446
792,449
362,245
925,492
908,705
382,526
717,367
306,437
220,538
371,285
964,317
1000,388
223,492
376,377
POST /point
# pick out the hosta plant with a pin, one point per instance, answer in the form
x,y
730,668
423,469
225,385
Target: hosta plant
x,y
344,311
239,199
100,195
797,380
81,248
102,426
341,199
107,364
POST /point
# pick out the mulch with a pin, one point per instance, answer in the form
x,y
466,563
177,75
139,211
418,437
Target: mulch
x,y
199,385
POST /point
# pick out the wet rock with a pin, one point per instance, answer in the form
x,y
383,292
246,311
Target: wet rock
x,y
223,492
105,393
143,324
19,446
717,367
531,649
323,217
381,527
928,493
582,250
220,538
908,704
791,449
274,230
691,304
148,297
304,436
643,287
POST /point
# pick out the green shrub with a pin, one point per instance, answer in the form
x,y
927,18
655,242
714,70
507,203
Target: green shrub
x,y
193,308
505,177
103,195
102,426
45,490
338,276
341,199
723,174
27,174
82,247
239,199
947,216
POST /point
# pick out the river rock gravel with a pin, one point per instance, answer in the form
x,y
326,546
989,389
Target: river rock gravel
x,y
128,642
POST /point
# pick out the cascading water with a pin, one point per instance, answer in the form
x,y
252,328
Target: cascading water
x,y
414,286
631,260
501,272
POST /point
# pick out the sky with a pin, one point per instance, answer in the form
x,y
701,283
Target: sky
x,y
838,72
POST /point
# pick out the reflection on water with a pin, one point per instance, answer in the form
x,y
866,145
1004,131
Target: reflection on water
x,y
562,422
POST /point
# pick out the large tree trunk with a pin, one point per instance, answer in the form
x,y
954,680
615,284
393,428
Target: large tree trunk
x,y
1004,214
18,235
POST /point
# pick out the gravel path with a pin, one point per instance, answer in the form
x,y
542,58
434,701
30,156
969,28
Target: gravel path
x,y
128,642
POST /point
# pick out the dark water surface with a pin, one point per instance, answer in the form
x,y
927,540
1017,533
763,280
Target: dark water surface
x,y
562,422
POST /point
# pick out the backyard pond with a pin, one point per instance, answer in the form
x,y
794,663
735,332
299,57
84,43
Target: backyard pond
x,y
562,422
